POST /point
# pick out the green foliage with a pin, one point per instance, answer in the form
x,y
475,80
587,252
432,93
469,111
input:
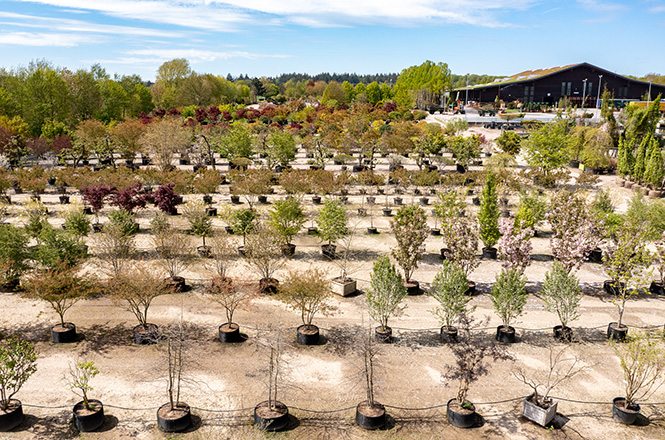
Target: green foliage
x,y
641,159
200,224
237,142
57,248
125,221
77,222
510,142
243,222
654,172
625,158
509,295
648,216
14,254
282,149
386,292
531,210
287,218
417,84
35,217
18,361
642,361
488,216
464,149
449,290
81,374
548,147
332,220
641,122
562,294
307,292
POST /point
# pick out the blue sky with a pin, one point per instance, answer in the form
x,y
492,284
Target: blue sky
x,y
269,37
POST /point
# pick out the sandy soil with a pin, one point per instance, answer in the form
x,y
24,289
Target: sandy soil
x,y
326,377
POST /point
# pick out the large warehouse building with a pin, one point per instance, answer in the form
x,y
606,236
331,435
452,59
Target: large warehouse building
x,y
576,82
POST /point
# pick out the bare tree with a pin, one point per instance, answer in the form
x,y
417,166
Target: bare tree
x,y
223,252
264,252
230,294
173,248
115,248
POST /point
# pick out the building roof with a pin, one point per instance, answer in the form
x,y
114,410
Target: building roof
x,y
530,75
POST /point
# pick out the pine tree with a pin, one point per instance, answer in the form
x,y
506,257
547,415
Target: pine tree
x,y
641,159
488,216
654,171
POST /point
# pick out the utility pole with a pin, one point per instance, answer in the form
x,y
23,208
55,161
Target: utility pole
x,y
600,80
466,100
650,91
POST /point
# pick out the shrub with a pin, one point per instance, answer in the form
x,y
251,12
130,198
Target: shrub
x,y
509,295
166,199
307,292
449,290
386,292
515,246
488,216
332,221
410,229
562,294
124,220
287,218
200,224
18,361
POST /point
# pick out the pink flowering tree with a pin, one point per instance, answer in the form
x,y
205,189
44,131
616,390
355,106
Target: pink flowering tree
x,y
576,231
515,245
460,239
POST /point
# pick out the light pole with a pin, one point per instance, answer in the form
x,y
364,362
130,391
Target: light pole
x,y
466,100
649,92
584,92
600,80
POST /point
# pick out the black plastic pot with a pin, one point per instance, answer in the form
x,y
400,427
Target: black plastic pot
x,y
229,333
316,200
458,418
424,201
89,422
12,418
274,422
263,200
471,290
616,333
211,212
329,251
460,168
621,414
383,335
204,251
505,334
268,286
448,334
207,199
362,212
288,249
657,288
612,287
371,200
312,230
435,232
397,200
372,230
443,253
64,200
174,424
563,334
176,284
97,227
307,335
476,201
235,200
594,256
145,335
489,253
241,251
228,230
374,421
387,212
63,335
412,287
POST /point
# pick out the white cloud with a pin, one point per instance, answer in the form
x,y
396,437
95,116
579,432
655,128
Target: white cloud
x,y
231,15
198,55
69,25
44,39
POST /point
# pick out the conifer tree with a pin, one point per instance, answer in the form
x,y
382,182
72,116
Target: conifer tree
x,y
641,159
654,172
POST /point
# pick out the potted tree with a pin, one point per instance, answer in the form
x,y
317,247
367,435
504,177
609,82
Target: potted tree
x,y
385,293
343,284
642,361
271,414
460,240
370,414
332,223
264,254
242,221
175,416
88,413
287,219
658,286
18,361
14,255
488,217
166,199
562,295
410,229
135,288
449,290
625,261
229,293
76,222
508,298
470,354
307,292
173,250
61,287
539,407
515,245
200,225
